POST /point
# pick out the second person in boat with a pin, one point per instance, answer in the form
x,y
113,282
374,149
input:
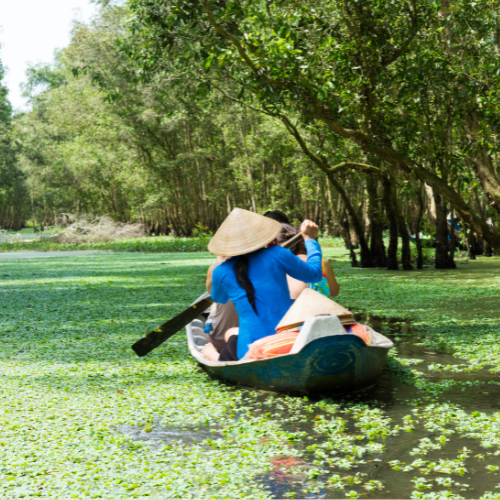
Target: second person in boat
x,y
255,277
328,286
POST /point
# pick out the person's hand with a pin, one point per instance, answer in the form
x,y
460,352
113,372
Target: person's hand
x,y
309,230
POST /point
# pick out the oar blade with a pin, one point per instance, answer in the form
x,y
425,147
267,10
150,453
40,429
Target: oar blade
x,y
166,330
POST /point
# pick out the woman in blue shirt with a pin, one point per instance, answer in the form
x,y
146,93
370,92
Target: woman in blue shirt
x,y
254,277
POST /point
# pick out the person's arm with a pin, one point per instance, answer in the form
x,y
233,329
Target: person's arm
x,y
209,277
332,281
310,271
217,290
213,310
210,271
296,287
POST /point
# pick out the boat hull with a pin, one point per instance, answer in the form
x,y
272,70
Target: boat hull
x,y
337,364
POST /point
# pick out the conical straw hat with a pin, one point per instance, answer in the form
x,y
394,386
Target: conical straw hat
x,y
243,232
312,303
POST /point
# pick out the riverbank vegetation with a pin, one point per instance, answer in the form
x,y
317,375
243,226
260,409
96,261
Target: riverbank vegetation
x,y
378,123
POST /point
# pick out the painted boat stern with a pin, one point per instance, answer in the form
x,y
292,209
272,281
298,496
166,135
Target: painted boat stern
x,y
337,364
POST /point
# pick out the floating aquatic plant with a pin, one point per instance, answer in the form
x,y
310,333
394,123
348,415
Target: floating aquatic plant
x,y
71,385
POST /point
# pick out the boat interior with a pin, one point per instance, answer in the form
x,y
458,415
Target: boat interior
x,y
314,328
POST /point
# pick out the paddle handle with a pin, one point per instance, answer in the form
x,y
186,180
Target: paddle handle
x,y
292,241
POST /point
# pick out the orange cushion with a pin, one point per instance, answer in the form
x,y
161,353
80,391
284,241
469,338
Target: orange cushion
x,y
273,345
361,331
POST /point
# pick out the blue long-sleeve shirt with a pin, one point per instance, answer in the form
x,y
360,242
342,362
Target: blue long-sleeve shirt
x,y
267,270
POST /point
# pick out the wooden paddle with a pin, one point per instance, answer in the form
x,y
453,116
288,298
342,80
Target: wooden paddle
x,y
172,326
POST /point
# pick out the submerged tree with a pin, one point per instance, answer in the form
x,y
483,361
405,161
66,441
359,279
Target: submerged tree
x,y
356,70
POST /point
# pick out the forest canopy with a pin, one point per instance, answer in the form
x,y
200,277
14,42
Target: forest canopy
x,y
378,122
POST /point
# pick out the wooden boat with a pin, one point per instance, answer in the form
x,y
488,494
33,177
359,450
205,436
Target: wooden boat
x,y
327,365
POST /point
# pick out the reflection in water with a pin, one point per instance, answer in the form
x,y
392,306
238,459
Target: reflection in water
x,y
279,481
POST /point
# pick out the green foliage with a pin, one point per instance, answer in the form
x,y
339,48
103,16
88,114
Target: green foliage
x,y
152,244
392,82
5,107
73,382
43,78
171,114
158,152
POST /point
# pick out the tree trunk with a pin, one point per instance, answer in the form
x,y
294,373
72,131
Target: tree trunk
x,y
467,246
418,223
365,255
488,251
418,243
336,219
470,245
401,222
354,260
377,247
452,243
392,251
477,244
441,259
405,241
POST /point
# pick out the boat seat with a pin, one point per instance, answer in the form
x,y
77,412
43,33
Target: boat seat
x,y
200,342
317,327
197,323
199,336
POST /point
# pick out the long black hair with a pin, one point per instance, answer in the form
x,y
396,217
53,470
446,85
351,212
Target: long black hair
x,y
277,215
241,272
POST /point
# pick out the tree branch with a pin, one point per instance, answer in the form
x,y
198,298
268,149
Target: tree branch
x,y
319,160
239,47
361,167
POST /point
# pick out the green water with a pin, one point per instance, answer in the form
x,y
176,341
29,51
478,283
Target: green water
x,y
83,417
459,285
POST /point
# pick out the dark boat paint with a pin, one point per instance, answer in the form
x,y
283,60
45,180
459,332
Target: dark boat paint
x,y
337,364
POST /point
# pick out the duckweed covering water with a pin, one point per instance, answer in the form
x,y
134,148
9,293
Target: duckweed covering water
x,y
83,417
